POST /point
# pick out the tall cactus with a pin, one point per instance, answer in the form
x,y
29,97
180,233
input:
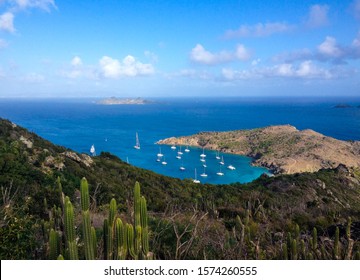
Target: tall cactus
x,y
120,240
86,222
70,229
94,241
130,241
144,227
106,239
111,220
53,242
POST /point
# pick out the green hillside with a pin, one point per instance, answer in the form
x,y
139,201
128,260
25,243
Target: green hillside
x,y
286,216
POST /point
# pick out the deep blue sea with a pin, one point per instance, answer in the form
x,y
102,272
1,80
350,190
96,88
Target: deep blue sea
x,y
78,124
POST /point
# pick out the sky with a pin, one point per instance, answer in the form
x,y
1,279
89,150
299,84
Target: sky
x,y
131,48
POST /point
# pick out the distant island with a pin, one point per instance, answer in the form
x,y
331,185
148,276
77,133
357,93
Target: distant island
x,y
123,101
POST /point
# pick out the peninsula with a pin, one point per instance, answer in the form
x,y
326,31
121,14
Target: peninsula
x,y
283,148
123,101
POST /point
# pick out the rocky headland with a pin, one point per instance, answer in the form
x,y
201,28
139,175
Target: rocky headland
x,y
283,148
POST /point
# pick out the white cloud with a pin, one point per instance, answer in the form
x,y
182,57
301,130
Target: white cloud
x,y
259,30
304,70
129,67
242,53
76,61
45,5
7,22
328,51
318,16
200,55
329,48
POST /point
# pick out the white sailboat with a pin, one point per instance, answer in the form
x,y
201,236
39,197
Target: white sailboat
x,y
164,161
137,145
92,150
220,173
231,167
160,154
222,161
180,152
173,147
187,149
203,154
182,168
204,174
217,155
196,181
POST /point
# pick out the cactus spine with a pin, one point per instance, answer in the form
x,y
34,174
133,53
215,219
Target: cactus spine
x,y
86,223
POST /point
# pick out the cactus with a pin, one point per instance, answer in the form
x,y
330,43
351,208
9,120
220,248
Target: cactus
x,y
106,239
88,244
60,258
70,229
53,241
285,252
120,240
130,241
112,215
144,227
84,193
94,241
350,242
86,222
294,254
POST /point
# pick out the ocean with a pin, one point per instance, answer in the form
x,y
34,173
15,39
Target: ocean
x,y
79,123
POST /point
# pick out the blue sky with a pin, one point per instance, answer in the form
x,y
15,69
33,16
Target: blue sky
x,y
52,48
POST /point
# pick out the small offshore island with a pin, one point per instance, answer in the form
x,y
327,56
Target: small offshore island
x,y
283,149
123,101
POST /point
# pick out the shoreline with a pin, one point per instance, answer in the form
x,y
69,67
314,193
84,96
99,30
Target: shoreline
x,y
281,149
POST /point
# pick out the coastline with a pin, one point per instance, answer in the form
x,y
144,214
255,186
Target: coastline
x,y
281,149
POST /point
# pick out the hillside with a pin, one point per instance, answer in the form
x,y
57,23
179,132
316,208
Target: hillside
x,y
283,149
186,220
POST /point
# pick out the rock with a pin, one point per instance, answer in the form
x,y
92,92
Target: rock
x,y
27,142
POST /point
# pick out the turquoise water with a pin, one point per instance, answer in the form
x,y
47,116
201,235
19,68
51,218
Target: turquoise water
x,y
78,124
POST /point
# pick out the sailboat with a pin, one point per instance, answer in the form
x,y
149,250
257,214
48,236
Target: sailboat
x,y
180,152
182,168
231,167
196,181
220,173
137,145
187,149
203,153
173,147
222,161
217,155
160,154
164,162
203,174
92,150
